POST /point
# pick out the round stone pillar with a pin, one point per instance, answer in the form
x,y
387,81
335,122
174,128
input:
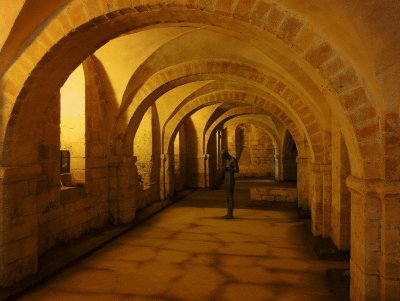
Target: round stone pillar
x,y
167,183
375,247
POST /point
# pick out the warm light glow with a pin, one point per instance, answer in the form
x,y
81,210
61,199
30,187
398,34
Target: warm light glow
x,y
72,136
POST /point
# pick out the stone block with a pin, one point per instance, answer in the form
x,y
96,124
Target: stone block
x,y
96,150
391,264
76,14
243,9
390,289
71,194
274,19
332,67
318,55
289,29
259,11
76,218
345,80
26,228
17,270
96,173
19,249
273,194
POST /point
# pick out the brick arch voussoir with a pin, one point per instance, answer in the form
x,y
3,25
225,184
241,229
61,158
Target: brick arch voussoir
x,y
232,68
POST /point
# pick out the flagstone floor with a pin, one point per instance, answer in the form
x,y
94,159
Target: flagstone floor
x,y
187,252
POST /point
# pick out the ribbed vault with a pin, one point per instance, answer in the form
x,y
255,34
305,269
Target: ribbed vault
x,y
168,79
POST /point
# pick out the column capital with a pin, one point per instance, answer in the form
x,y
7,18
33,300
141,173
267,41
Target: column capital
x,y
362,185
379,186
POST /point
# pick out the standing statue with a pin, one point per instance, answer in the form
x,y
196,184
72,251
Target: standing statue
x,y
230,166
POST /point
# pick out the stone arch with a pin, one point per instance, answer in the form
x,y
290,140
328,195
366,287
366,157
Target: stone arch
x,y
180,75
257,120
169,78
31,82
78,19
269,128
244,111
242,97
289,155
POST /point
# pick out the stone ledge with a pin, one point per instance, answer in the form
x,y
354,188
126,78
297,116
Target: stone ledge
x,y
378,186
72,194
56,259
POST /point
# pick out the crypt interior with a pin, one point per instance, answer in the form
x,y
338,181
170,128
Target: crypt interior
x,y
114,110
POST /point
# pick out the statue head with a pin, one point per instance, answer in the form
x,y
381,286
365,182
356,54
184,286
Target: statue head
x,y
225,154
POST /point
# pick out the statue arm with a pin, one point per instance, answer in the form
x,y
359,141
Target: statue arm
x,y
235,165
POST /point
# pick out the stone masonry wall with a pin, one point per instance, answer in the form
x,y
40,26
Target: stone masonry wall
x,y
253,149
147,163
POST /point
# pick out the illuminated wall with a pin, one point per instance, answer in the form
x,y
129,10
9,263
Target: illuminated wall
x,y
253,149
72,136
147,152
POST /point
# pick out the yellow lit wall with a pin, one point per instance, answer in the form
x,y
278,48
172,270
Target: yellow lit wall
x,y
72,134
253,149
143,146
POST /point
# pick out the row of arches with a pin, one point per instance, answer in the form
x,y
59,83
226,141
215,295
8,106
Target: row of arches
x,y
175,74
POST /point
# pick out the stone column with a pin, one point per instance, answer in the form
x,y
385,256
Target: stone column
x,y
207,171
202,172
375,239
321,180
278,168
18,222
327,201
341,204
167,181
127,178
390,240
365,239
316,180
123,179
302,182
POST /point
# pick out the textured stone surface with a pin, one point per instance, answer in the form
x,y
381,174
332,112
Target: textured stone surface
x,y
199,64
188,253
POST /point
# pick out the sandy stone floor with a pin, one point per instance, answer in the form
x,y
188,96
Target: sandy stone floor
x,y
188,253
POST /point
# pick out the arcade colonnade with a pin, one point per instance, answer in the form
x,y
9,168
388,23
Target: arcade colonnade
x,y
144,95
